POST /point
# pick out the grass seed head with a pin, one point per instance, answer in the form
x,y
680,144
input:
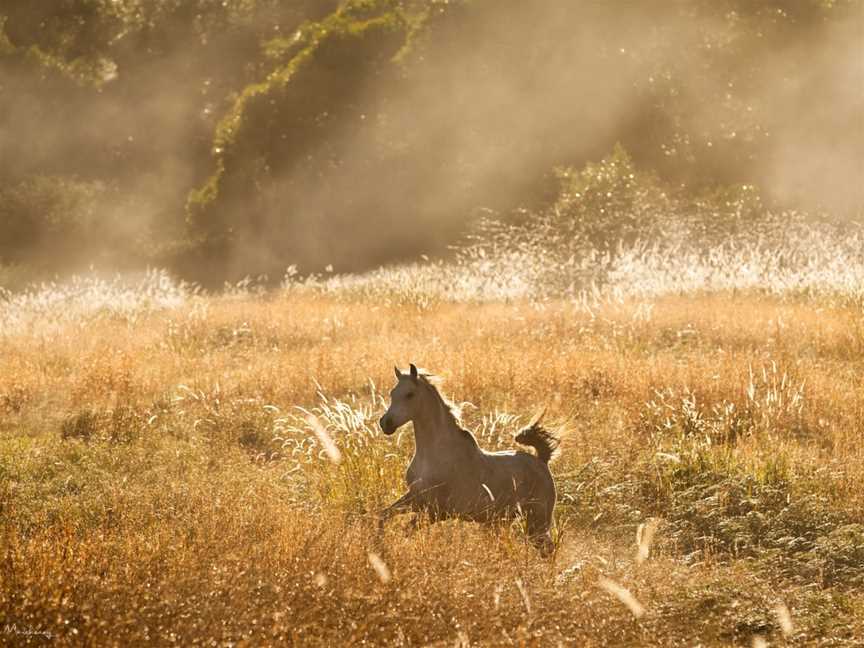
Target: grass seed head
x,y
326,440
380,567
623,595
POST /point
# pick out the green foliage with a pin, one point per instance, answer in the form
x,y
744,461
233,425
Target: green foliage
x,y
145,83
611,201
282,126
610,217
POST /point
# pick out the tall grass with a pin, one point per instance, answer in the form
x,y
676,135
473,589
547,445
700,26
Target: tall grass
x,y
804,261
164,472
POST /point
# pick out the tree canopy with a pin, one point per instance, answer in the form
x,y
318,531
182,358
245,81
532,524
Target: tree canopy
x,y
224,138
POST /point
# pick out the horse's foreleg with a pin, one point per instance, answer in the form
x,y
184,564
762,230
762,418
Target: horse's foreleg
x,y
402,505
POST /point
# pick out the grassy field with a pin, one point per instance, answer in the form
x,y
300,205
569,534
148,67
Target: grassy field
x,y
159,480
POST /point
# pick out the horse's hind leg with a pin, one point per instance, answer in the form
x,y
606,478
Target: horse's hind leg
x,y
538,523
544,543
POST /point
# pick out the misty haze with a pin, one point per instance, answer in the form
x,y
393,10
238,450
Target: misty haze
x,y
222,222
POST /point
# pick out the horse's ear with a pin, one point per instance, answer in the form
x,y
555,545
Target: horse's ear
x,y
398,373
413,372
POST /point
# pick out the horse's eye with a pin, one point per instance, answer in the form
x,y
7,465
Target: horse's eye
x,y
409,395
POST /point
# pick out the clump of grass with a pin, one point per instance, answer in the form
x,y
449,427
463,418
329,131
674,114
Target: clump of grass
x,y
224,419
82,425
771,403
14,398
86,298
369,470
122,424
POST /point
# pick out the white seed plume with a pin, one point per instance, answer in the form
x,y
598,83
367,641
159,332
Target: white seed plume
x,y
496,595
380,567
623,595
326,441
524,592
784,619
644,538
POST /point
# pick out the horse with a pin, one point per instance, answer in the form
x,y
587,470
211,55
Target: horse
x,y
451,476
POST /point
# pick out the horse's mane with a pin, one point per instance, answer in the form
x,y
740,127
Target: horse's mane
x,y
451,410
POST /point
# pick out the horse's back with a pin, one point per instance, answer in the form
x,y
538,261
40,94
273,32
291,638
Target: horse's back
x,y
521,473
515,460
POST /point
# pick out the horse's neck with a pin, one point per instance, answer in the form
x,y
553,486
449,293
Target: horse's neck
x,y
434,431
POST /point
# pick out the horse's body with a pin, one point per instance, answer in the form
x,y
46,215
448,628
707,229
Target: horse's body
x,y
451,476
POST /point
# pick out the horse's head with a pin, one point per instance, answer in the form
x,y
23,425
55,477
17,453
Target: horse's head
x,y
403,401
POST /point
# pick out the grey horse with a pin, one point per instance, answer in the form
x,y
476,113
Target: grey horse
x,y
450,476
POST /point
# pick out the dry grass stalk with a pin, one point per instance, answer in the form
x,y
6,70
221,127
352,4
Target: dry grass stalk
x,y
523,592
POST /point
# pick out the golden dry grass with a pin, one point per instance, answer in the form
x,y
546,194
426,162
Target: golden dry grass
x,y
158,483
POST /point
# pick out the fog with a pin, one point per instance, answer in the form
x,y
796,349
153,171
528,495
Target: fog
x,y
478,110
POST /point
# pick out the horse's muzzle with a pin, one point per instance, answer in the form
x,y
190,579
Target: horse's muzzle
x,y
387,426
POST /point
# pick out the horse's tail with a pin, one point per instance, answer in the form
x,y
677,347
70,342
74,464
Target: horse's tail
x,y
539,438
